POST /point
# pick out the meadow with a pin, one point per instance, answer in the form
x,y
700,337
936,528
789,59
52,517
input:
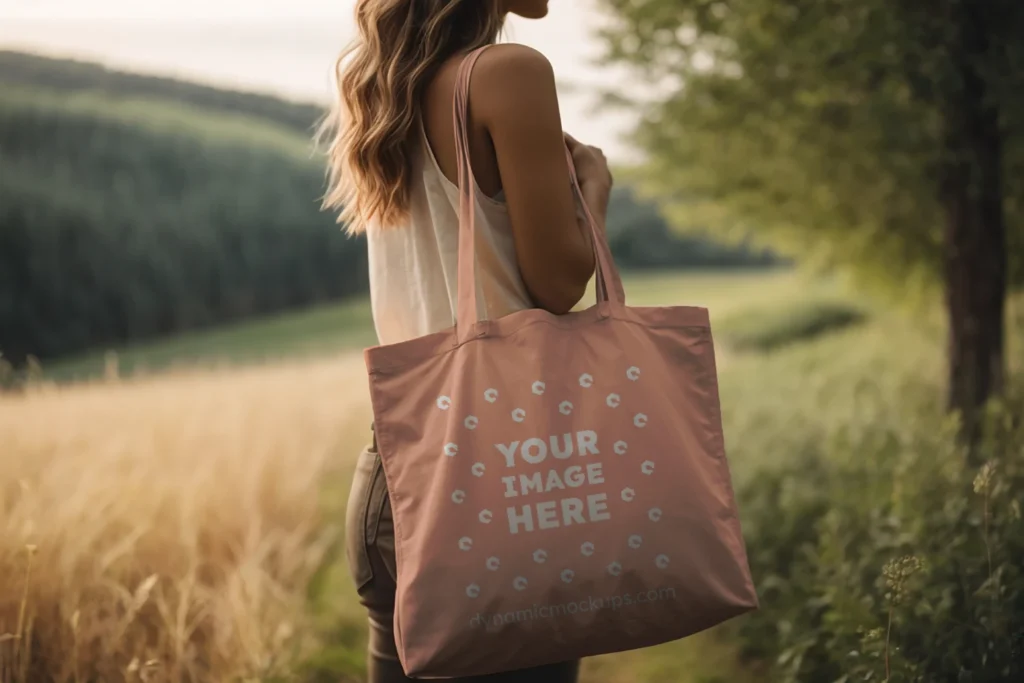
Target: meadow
x,y
164,526
174,474
184,523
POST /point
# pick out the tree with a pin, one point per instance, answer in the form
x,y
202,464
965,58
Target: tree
x,y
882,135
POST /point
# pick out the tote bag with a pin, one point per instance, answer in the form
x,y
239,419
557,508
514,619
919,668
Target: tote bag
x,y
559,483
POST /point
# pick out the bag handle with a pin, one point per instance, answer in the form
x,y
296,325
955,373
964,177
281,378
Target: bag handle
x,y
609,284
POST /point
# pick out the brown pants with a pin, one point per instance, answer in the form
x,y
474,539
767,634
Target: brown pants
x,y
370,544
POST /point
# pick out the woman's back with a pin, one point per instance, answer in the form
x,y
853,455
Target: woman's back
x,y
413,267
397,176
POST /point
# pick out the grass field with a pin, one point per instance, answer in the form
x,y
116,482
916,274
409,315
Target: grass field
x,y
167,525
349,326
314,332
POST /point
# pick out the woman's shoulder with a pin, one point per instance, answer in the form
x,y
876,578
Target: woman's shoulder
x,y
513,60
513,55
509,77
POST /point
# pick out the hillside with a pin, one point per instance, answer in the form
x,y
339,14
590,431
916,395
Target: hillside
x,y
126,216
66,75
134,207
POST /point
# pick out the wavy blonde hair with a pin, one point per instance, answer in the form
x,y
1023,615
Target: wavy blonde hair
x,y
380,81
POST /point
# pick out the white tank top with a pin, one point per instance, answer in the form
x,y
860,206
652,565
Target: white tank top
x,y
413,267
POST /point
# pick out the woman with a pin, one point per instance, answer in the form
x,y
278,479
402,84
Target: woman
x,y
393,175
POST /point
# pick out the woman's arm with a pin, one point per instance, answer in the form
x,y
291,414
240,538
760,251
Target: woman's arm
x,y
514,97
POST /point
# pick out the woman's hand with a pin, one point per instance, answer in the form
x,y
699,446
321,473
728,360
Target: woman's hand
x,y
594,175
591,164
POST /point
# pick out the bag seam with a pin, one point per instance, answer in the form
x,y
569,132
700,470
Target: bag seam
x,y
378,471
383,440
449,349
364,541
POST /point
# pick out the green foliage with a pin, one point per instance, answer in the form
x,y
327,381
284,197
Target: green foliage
x,y
821,127
124,220
762,328
880,555
844,462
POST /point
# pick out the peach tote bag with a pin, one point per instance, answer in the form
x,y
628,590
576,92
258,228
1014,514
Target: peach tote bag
x,y
559,483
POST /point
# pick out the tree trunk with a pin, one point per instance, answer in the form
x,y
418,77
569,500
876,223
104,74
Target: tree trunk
x,y
975,235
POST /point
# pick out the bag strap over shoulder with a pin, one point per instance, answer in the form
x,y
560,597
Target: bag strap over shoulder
x,y
609,284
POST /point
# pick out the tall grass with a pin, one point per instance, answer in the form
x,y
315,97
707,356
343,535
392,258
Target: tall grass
x,y
186,527
165,530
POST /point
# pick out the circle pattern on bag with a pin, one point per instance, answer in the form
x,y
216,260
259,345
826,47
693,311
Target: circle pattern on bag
x,y
560,476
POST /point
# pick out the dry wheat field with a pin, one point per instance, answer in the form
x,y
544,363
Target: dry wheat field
x,y
185,527
163,529
168,529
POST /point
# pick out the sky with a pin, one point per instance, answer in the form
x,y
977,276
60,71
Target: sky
x,y
287,47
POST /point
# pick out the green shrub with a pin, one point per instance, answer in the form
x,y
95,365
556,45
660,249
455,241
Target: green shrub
x,y
766,329
883,554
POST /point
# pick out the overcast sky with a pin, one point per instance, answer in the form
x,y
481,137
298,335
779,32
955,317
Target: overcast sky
x,y
284,47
